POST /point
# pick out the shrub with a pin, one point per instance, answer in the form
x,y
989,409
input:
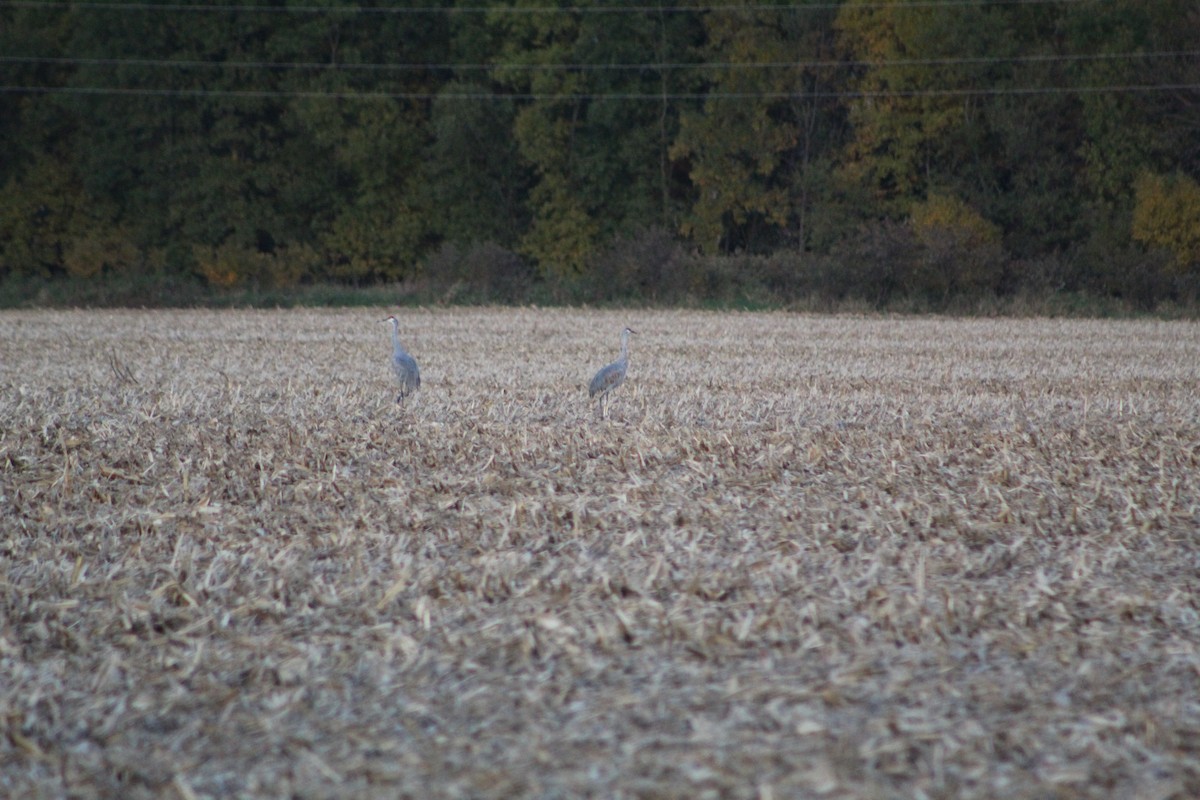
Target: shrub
x,y
960,250
229,265
647,264
1139,279
1166,214
562,234
99,251
876,264
484,271
789,275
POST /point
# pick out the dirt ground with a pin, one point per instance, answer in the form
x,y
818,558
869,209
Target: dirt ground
x,y
803,556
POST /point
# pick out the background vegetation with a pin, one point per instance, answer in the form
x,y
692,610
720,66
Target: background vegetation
x,y
960,154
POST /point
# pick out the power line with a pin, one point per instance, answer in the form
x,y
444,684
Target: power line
x,y
622,96
514,10
419,67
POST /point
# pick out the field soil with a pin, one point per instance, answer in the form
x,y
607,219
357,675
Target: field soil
x,y
803,556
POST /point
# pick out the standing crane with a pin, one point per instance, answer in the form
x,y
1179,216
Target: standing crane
x,y
612,376
403,364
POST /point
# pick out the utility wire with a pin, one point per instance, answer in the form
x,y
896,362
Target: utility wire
x,y
624,96
377,67
523,10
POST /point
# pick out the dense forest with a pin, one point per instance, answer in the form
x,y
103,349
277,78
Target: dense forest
x,y
932,149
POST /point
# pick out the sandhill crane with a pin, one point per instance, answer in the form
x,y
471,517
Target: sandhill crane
x,y
404,365
612,376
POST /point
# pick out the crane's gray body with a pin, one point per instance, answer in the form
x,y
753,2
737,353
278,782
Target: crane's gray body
x,y
403,364
608,378
613,375
407,372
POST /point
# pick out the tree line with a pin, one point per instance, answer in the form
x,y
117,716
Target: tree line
x,y
671,149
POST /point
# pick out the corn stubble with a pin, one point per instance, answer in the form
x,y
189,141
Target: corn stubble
x,y
804,556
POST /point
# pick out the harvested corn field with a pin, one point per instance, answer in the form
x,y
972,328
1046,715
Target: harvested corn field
x,y
801,557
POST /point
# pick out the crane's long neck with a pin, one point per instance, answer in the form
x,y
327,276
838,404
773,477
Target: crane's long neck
x,y
625,346
396,346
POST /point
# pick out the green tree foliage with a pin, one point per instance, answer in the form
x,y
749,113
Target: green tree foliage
x,y
562,232
377,226
748,147
472,171
913,117
598,125
1126,131
31,33
1167,215
961,251
36,213
312,141
199,166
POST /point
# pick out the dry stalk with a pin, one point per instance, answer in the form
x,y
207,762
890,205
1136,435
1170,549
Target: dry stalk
x,y
859,557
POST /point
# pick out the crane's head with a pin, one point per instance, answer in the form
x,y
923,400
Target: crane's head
x,y
628,330
391,318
